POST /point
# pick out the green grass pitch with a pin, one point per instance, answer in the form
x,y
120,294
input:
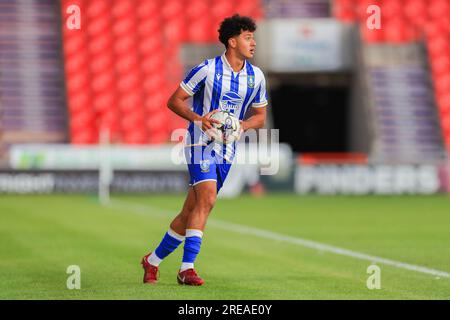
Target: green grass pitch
x,y
40,236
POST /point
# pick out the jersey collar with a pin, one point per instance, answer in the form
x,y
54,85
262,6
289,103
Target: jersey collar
x,y
225,61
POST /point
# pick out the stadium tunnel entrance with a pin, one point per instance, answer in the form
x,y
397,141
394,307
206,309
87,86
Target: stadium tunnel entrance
x,y
314,112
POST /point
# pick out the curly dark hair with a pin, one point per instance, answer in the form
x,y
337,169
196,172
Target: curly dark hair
x,y
233,26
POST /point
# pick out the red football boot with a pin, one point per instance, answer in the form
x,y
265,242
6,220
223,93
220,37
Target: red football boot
x,y
190,278
150,271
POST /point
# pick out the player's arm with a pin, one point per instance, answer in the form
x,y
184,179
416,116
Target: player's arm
x,y
188,87
177,103
256,120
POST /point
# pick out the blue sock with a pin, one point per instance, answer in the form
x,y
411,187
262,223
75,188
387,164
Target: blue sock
x,y
169,243
192,246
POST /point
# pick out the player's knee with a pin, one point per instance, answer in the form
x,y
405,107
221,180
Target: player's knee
x,y
186,212
206,203
190,208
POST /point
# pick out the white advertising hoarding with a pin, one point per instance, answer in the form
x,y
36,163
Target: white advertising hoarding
x,y
303,45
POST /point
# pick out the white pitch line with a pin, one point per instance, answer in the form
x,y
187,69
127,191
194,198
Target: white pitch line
x,y
237,228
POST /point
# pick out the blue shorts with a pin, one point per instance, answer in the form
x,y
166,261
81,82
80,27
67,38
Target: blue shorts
x,y
205,165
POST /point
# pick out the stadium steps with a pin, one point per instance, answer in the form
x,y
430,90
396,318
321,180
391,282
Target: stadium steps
x,y
32,100
401,103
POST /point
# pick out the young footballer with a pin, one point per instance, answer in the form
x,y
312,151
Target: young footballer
x,y
228,82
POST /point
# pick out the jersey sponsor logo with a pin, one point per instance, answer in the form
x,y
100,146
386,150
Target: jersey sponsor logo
x,y
218,76
251,81
230,101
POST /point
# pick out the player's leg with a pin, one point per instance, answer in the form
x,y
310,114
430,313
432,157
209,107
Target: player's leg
x,y
171,240
175,235
205,198
179,222
205,193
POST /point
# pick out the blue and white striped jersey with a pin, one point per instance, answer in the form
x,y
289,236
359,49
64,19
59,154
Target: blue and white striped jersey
x,y
214,85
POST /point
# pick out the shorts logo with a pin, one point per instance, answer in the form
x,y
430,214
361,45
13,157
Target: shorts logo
x,y
251,81
230,101
204,165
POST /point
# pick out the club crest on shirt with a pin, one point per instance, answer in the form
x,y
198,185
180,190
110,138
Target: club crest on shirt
x,y
251,81
204,165
230,101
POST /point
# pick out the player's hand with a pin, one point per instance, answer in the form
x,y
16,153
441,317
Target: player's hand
x,y
243,125
207,122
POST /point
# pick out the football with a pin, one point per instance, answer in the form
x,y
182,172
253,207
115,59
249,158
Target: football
x,y
229,129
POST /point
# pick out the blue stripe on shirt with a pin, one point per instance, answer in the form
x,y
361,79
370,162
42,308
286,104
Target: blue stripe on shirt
x,y
257,97
197,105
250,72
234,84
234,87
198,86
194,71
217,86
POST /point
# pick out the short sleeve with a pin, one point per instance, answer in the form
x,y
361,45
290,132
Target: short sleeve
x,y
260,99
195,78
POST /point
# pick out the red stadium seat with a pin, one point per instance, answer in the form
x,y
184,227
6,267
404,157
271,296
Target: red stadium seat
x,y
128,81
158,138
221,9
440,65
153,83
195,9
443,101
416,12
442,84
398,31
433,29
151,67
133,119
438,46
135,137
372,36
78,82
104,102
146,9
85,136
445,124
246,8
393,9
81,119
196,30
79,102
175,31
439,9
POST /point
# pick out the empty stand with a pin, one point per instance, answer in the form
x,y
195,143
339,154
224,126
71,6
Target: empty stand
x,y
32,99
124,63
403,23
